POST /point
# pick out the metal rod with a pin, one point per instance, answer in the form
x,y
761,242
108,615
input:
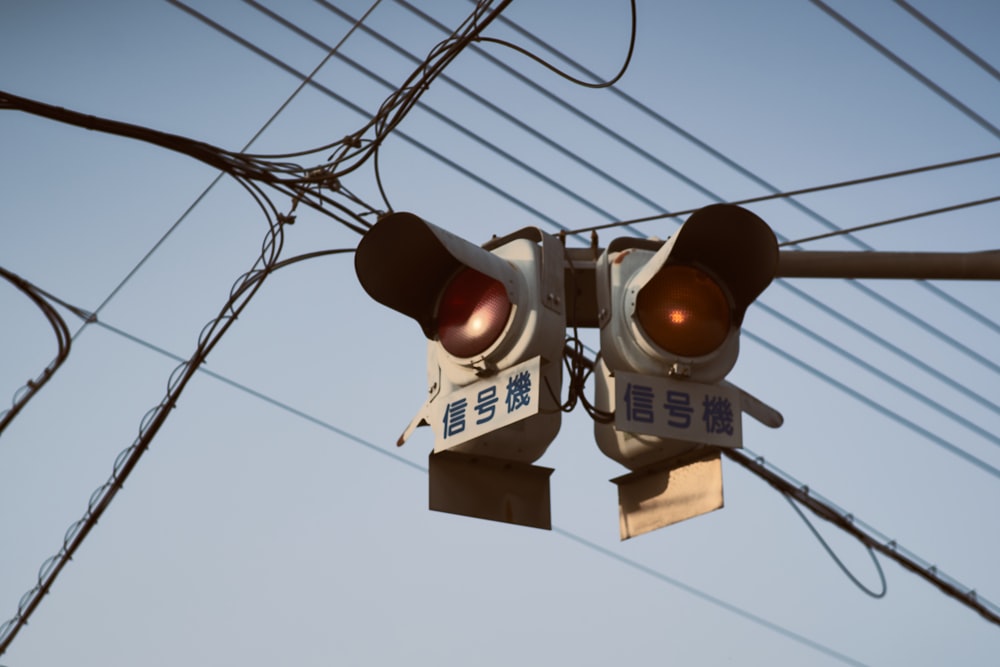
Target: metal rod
x,y
984,265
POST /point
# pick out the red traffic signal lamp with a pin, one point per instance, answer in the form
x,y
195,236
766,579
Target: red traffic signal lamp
x,y
495,322
670,317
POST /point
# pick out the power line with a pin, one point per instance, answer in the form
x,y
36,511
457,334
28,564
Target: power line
x,y
64,343
246,146
565,75
239,297
908,68
755,178
128,459
940,32
788,194
367,444
864,533
892,221
784,483
830,311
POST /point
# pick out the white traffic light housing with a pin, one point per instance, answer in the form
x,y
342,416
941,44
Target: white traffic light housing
x,y
495,322
670,317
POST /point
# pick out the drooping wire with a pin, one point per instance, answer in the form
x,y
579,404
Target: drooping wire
x,y
836,559
523,126
973,313
246,172
391,454
240,294
871,335
754,463
864,533
935,439
566,75
522,164
639,150
304,184
63,345
840,316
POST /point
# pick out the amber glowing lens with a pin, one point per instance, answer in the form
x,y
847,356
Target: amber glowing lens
x,y
684,311
473,312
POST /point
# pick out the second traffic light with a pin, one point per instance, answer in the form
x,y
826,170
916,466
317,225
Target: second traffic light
x,y
670,317
495,322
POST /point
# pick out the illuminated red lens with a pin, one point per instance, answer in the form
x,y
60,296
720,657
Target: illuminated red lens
x,y
684,311
473,312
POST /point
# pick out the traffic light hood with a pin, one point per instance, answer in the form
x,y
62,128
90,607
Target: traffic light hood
x,y
728,241
404,262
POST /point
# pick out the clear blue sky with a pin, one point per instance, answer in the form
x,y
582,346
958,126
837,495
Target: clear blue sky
x,y
249,535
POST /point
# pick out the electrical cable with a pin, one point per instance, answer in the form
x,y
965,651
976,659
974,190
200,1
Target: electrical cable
x,y
875,405
755,178
836,559
63,345
936,372
801,191
540,175
479,99
150,425
881,341
250,277
982,465
391,454
242,291
908,68
790,488
868,536
891,221
578,113
565,75
940,32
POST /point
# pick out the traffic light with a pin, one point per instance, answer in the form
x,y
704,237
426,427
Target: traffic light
x,y
495,322
670,316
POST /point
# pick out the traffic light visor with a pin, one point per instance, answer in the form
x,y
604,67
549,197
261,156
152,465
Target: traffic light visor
x,y
407,264
684,311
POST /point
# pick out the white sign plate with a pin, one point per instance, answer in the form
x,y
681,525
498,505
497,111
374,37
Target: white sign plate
x,y
682,410
487,404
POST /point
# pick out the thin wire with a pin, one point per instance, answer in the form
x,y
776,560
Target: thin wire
x,y
836,559
673,127
935,439
824,508
864,533
565,75
930,287
908,68
400,134
891,221
537,173
242,291
875,405
940,32
687,588
936,372
521,125
150,425
867,332
802,191
64,343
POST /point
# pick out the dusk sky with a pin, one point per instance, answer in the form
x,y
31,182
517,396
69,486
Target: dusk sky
x,y
273,519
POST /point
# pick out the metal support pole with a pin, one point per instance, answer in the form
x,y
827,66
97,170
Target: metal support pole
x,y
983,265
